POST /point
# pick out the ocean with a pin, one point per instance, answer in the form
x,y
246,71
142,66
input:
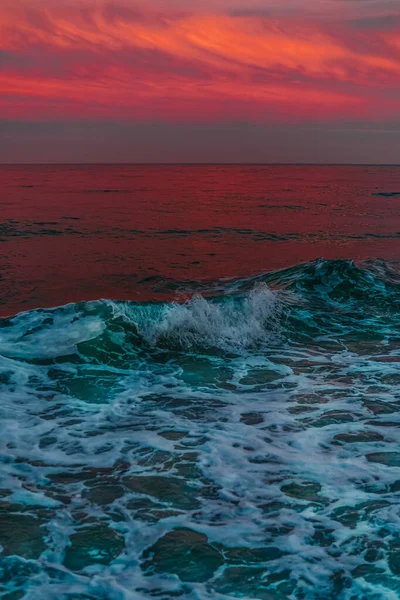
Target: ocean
x,y
200,382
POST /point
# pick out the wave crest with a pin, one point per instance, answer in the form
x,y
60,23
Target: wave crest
x,y
231,323
240,315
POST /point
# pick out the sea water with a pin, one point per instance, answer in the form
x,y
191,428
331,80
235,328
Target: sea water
x,y
239,439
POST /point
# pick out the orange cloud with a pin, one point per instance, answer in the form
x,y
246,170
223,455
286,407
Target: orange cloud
x,y
123,63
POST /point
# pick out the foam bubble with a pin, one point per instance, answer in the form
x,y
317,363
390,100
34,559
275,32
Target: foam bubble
x,y
233,324
237,446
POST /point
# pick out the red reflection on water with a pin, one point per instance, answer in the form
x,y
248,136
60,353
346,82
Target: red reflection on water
x,y
72,233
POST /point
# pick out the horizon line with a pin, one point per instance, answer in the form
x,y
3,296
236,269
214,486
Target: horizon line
x,y
194,164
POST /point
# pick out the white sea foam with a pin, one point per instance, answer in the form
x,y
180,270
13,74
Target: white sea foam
x,y
232,324
49,334
289,448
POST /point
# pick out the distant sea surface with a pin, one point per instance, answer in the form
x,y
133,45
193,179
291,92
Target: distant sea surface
x,y
200,382
73,233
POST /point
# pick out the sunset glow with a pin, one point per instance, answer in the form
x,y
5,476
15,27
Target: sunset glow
x,y
69,61
144,64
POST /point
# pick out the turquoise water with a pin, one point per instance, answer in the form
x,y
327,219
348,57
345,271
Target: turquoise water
x,y
239,444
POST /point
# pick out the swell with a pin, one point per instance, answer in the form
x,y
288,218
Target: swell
x,y
319,298
12,228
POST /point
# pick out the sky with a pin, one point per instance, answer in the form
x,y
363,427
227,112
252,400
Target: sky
x,y
212,81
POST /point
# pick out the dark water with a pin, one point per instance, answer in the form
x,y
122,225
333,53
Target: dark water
x,y
225,424
139,233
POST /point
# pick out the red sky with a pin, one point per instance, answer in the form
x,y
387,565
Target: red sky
x,y
281,68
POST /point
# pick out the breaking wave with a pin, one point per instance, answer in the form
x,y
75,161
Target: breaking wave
x,y
241,443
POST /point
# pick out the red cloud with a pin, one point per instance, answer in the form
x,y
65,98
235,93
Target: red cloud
x,y
116,62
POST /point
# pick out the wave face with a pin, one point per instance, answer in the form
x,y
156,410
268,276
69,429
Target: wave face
x,y
243,445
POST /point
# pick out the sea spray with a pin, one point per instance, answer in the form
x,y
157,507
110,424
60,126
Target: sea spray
x,y
230,323
244,445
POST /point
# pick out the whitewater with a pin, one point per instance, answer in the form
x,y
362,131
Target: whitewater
x,y
241,443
